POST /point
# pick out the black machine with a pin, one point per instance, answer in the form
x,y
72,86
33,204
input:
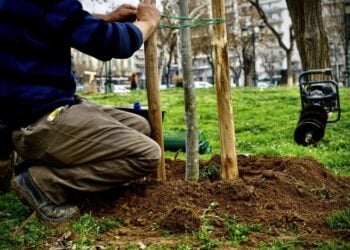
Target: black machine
x,y
320,105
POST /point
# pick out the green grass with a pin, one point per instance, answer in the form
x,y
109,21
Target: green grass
x,y
264,121
204,236
87,224
333,245
238,232
88,227
283,245
339,219
12,214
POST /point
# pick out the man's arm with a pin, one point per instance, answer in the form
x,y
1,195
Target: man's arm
x,y
98,38
145,16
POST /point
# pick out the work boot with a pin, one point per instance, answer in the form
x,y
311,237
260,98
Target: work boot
x,y
44,207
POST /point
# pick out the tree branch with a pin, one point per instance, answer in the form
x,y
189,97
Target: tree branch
x,y
261,12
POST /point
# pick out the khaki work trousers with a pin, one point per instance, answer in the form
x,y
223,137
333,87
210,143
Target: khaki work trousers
x,y
86,148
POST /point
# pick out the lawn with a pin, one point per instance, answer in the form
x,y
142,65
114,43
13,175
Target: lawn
x,y
265,120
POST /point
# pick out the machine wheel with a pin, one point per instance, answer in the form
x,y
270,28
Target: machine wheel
x,y
309,131
314,112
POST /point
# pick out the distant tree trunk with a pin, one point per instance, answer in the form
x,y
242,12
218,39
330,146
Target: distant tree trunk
x,y
192,161
210,60
309,33
172,48
161,63
289,68
247,67
210,55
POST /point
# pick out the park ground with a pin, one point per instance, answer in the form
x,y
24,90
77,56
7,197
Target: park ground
x,y
287,196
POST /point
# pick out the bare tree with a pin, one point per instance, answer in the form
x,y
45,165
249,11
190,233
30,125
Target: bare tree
x,y
247,14
192,160
287,49
167,39
309,32
201,36
333,19
236,61
234,43
268,62
169,34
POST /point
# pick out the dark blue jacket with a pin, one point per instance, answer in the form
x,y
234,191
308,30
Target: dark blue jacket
x,y
36,37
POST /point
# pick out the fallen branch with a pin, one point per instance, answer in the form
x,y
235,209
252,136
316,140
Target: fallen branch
x,y
24,223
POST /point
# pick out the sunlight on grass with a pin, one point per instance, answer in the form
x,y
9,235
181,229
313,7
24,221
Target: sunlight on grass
x,y
264,121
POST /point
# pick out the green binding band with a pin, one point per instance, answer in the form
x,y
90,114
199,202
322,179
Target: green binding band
x,y
195,22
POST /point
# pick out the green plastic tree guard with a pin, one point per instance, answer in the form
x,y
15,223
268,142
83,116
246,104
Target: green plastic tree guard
x,y
176,140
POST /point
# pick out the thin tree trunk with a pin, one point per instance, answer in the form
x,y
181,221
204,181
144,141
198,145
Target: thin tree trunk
x,y
210,56
247,67
289,68
161,64
192,161
171,51
168,70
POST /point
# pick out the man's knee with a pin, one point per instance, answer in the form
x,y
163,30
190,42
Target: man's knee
x,y
145,127
156,156
152,160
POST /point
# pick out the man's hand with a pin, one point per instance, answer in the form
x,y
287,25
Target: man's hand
x,y
124,13
147,18
146,12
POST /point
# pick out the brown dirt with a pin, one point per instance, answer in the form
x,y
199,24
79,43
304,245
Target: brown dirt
x,y
290,197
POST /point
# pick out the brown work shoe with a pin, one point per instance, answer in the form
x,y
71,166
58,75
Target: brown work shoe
x,y
37,200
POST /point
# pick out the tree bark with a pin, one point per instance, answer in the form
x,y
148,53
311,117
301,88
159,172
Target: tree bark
x,y
247,67
192,158
310,36
153,97
229,168
290,79
172,48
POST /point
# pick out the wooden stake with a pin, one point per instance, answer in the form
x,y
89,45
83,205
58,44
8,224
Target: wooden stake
x,y
153,97
229,168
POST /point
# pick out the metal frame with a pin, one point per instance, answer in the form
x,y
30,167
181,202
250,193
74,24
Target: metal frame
x,y
330,102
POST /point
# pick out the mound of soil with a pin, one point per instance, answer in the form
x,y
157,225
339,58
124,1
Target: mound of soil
x,y
289,197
